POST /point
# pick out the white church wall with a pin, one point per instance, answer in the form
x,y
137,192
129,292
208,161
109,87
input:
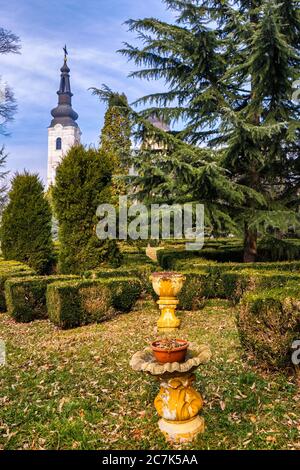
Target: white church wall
x,y
70,136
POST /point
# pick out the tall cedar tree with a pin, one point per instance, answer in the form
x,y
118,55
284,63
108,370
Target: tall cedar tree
x,y
229,66
26,224
82,182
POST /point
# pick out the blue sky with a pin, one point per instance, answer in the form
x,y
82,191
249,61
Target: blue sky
x,y
93,30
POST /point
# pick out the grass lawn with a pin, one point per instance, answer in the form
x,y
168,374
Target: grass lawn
x,y
75,390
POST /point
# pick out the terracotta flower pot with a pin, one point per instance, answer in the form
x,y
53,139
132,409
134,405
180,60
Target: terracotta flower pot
x,y
167,353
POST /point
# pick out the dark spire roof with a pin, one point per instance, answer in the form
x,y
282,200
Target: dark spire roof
x,y
64,114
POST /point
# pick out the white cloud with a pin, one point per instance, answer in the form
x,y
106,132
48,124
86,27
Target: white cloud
x,y
34,75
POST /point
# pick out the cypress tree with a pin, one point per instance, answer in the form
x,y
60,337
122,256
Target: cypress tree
x,y
229,67
26,224
82,183
115,134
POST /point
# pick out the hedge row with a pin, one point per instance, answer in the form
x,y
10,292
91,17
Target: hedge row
x,y
213,282
269,323
235,284
9,269
141,272
194,291
74,303
26,297
269,310
177,259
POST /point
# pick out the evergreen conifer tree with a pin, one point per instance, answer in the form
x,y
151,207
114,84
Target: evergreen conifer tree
x,y
115,134
229,67
26,224
82,183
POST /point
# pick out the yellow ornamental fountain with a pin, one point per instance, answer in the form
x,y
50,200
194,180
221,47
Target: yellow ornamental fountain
x,y
178,403
167,285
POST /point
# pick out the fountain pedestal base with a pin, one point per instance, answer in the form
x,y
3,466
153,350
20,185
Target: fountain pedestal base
x,y
178,403
182,431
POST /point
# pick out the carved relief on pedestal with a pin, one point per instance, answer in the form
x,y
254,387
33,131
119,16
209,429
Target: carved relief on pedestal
x,y
178,400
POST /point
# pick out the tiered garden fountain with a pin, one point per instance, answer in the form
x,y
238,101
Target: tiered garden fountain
x,y
178,403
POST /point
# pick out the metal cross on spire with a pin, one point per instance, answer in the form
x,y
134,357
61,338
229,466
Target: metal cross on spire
x,y
66,52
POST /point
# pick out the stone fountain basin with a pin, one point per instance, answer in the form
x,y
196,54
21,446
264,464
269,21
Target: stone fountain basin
x,y
144,361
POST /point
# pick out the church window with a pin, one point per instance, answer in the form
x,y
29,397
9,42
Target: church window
x,y
58,143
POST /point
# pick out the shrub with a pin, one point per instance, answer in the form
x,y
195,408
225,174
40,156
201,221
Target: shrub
x,y
292,266
171,259
194,291
214,283
82,183
10,269
221,278
26,224
141,272
199,264
235,284
274,249
198,287
110,273
74,303
177,259
269,322
26,296
167,258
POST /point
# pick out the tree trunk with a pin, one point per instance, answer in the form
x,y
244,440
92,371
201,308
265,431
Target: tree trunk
x,y
250,245
250,237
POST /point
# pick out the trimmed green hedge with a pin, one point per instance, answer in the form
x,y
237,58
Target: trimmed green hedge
x,y
214,283
142,272
173,259
226,255
273,249
168,259
198,287
26,296
234,284
177,259
9,269
194,291
74,303
269,322
110,273
290,266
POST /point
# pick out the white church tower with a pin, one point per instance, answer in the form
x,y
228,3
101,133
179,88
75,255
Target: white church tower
x,y
63,132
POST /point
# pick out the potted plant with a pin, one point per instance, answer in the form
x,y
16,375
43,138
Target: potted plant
x,y
169,350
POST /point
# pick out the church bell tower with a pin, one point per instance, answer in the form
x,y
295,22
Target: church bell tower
x,y
63,132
